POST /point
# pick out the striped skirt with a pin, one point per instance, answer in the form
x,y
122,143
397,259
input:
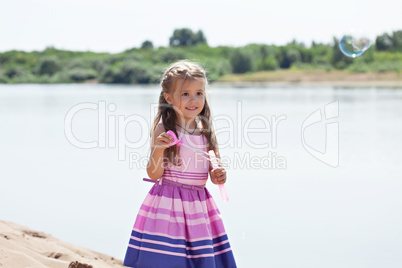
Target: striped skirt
x,y
178,226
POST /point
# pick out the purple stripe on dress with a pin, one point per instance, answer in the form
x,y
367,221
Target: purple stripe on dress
x,y
179,193
183,175
186,173
175,220
195,173
179,229
194,206
183,178
173,214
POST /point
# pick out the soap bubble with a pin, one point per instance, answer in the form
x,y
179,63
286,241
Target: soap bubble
x,y
353,46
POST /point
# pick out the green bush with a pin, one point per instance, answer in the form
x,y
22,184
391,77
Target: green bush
x,y
26,78
98,64
293,55
387,56
130,73
358,68
15,71
388,66
5,58
133,73
241,62
217,67
76,63
80,74
115,60
268,64
171,55
3,79
109,75
48,65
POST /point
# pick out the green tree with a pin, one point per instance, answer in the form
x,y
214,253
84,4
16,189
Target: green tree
x,y
170,55
293,55
186,37
199,38
48,65
128,73
147,45
338,60
268,63
241,62
383,42
3,79
397,40
15,71
79,74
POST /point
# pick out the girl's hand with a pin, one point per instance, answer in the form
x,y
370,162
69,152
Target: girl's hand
x,y
218,176
162,141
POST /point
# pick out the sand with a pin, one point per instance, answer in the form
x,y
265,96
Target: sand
x,y
23,247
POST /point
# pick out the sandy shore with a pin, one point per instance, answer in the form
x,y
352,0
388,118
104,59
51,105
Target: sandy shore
x,y
21,247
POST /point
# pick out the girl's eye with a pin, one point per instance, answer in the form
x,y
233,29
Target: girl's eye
x,y
186,94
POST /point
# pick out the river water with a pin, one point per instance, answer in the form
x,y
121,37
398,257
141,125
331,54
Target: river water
x,y
314,173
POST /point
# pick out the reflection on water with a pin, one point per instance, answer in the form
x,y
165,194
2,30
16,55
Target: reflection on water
x,y
307,214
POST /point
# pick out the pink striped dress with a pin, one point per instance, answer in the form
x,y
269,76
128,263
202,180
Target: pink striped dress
x,y
179,224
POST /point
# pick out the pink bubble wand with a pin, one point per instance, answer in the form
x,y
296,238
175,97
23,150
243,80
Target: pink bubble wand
x,y
214,161
210,156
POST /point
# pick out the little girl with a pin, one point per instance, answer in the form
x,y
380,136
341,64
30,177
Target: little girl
x,y
179,224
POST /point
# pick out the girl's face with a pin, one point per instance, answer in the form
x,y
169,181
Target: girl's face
x,y
188,99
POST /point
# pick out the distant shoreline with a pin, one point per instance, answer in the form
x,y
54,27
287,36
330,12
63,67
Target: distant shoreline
x,y
341,84
292,78
311,78
259,84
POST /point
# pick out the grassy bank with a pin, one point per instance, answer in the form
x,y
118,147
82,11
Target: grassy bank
x,y
311,76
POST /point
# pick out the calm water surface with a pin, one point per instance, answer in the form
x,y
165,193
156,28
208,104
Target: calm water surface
x,y
287,209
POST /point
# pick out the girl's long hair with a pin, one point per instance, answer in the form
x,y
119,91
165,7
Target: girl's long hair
x,y
180,72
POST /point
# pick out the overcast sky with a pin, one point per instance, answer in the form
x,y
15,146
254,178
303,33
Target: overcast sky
x,y
113,26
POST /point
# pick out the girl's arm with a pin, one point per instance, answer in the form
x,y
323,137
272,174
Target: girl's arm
x,y
159,143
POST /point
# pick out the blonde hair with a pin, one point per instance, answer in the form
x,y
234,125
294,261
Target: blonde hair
x,y
183,70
